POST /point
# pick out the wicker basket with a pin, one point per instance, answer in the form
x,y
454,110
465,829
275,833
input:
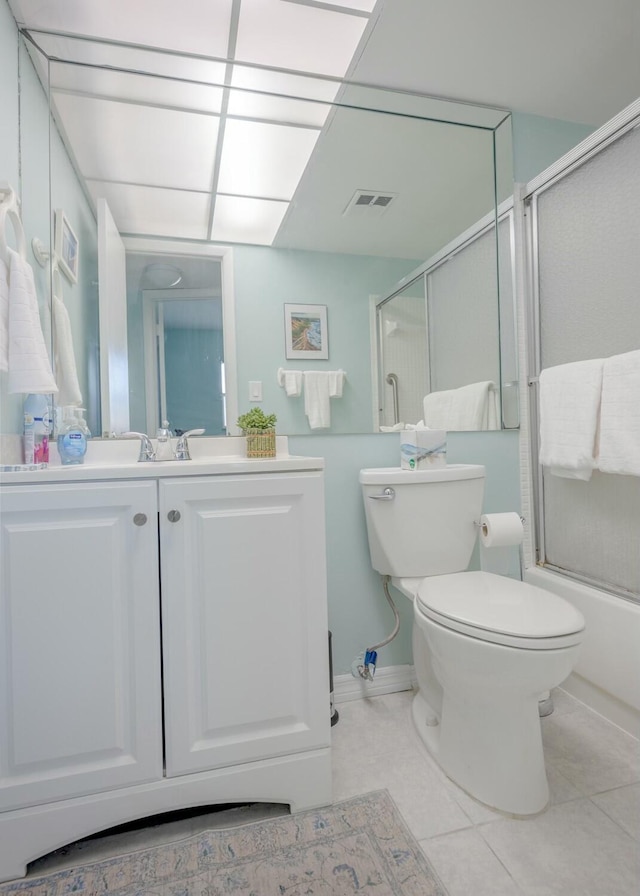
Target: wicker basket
x,y
261,442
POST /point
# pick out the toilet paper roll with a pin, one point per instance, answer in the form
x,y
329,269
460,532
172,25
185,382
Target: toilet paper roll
x,y
500,529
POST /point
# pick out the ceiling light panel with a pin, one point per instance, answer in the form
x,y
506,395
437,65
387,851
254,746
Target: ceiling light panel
x,y
238,219
140,144
191,26
142,89
131,59
293,36
269,95
362,5
265,160
155,212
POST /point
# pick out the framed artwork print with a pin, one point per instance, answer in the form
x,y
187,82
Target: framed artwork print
x,y
66,246
306,334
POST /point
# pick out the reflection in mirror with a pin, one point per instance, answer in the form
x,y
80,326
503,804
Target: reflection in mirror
x,y
446,352
428,167
180,313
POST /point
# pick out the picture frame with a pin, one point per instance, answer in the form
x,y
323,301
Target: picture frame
x,y
306,332
66,246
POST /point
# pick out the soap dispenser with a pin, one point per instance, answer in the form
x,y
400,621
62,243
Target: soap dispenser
x,y
72,437
163,435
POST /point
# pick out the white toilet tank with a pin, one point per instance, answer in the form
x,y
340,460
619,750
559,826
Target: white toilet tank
x,y
421,522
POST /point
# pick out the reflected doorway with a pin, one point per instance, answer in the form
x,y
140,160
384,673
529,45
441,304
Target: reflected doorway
x,y
184,360
181,326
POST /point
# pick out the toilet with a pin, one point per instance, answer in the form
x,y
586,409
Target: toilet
x,y
485,647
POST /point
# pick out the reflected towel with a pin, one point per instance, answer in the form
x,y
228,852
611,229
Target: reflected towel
x,y
29,365
316,398
65,362
291,380
620,415
336,383
569,407
471,407
4,316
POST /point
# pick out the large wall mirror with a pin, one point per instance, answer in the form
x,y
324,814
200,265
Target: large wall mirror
x,y
235,192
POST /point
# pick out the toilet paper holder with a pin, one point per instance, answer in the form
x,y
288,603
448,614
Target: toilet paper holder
x,y
480,525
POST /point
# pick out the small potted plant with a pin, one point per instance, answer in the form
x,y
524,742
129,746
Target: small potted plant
x,y
259,430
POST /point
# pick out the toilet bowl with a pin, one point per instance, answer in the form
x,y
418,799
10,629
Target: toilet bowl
x,y
485,647
493,645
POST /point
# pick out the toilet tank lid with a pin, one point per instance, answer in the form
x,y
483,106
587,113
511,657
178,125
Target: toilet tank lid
x,y
400,476
499,604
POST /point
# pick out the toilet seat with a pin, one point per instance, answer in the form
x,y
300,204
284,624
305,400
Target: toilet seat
x,y
500,610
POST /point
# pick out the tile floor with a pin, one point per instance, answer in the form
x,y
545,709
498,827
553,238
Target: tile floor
x,y
585,844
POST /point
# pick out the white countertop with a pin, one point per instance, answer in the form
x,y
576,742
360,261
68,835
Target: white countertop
x,y
110,459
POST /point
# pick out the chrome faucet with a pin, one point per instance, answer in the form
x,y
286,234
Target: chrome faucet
x,y
182,446
146,448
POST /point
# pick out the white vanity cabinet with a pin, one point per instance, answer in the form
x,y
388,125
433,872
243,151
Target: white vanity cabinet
x,y
244,618
163,644
80,697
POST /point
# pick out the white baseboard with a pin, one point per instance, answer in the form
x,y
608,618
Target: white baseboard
x,y
386,680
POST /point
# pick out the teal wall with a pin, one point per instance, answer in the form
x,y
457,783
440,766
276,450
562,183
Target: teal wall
x,y
538,142
264,280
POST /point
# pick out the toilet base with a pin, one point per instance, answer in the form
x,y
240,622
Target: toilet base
x,y
509,777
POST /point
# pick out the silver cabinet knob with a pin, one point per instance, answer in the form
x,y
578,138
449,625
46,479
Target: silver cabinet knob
x,y
140,519
173,516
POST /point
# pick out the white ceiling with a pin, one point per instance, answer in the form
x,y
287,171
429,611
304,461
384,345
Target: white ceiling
x,y
150,145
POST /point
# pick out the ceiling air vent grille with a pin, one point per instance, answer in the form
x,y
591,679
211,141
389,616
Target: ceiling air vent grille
x,y
369,203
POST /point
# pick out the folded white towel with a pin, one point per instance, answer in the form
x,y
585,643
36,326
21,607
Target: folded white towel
x,y
336,383
65,362
471,407
316,398
620,415
29,365
4,316
569,406
291,380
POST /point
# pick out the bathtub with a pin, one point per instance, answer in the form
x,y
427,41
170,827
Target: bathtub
x,y
607,674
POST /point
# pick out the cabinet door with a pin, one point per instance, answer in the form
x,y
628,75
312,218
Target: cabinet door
x,y
80,701
244,618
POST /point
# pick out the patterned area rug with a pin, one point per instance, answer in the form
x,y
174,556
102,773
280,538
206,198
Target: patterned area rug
x,y
359,846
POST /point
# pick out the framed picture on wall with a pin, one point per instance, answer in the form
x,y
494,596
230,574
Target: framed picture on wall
x,y
306,333
66,246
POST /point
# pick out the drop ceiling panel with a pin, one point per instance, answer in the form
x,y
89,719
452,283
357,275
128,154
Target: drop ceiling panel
x,y
139,144
241,220
257,93
363,5
91,53
136,88
193,26
293,36
155,212
264,160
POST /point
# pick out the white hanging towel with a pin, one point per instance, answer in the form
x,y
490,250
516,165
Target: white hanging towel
x,y
316,398
4,316
471,407
336,383
69,393
291,380
620,415
29,365
569,406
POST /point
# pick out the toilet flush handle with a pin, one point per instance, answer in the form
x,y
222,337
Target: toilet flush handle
x,y
388,494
